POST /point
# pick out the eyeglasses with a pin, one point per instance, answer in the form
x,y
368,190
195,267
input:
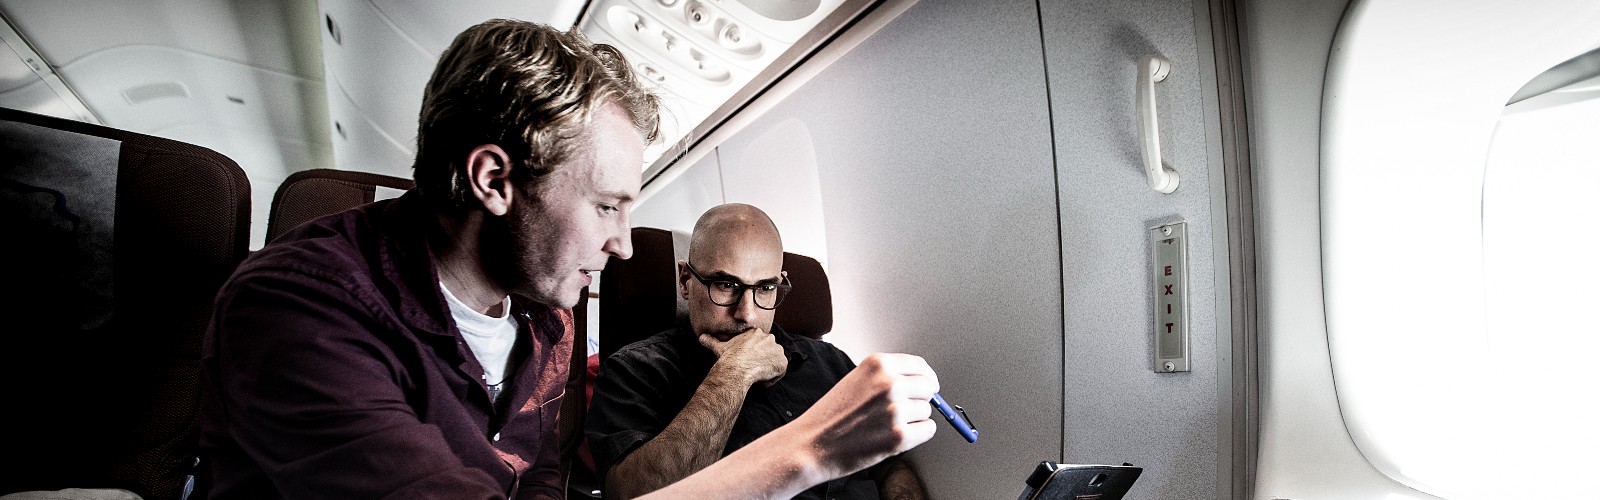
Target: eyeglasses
x,y
727,293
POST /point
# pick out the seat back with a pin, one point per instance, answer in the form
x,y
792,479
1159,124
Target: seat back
x,y
115,244
639,296
309,194
808,309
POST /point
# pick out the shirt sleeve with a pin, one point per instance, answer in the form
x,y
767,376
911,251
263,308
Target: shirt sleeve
x,y
317,398
630,406
837,362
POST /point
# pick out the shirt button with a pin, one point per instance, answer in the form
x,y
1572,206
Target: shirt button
x,y
496,437
788,413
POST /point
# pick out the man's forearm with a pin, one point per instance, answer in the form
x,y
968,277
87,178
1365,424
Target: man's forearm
x,y
780,464
879,410
693,440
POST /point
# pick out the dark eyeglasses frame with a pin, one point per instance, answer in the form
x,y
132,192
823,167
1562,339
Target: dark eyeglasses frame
x,y
783,289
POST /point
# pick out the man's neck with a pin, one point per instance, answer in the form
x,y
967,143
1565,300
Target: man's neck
x,y
455,254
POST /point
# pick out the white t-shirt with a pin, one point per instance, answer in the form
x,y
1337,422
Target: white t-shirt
x,y
490,337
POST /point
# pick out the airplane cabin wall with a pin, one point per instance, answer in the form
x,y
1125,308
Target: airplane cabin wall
x,y
970,159
677,206
1118,409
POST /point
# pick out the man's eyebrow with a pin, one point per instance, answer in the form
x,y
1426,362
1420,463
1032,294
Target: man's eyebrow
x,y
622,196
722,276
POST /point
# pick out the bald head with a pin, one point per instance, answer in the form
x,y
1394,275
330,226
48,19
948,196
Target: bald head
x,y
733,224
733,243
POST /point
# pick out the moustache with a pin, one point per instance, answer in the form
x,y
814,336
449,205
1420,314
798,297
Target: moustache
x,y
731,333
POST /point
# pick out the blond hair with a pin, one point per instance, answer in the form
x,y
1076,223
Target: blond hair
x,y
526,87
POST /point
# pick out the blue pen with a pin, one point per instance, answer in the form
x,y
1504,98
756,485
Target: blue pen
x,y
957,418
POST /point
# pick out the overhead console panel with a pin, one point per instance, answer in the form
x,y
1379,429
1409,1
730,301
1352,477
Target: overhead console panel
x,y
701,53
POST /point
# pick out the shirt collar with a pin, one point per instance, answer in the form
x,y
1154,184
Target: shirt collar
x,y
404,257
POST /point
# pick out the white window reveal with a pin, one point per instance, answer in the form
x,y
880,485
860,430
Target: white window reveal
x,y
1459,240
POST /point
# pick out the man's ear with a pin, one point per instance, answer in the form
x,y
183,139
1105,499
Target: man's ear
x,y
489,178
683,279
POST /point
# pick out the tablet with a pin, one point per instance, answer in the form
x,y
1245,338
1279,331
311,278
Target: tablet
x,y
1053,481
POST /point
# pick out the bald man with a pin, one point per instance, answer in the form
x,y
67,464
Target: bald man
x,y
674,403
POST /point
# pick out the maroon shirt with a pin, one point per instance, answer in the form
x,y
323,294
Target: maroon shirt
x,y
332,369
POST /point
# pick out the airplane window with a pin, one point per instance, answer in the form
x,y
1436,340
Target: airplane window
x,y
1455,237
1540,291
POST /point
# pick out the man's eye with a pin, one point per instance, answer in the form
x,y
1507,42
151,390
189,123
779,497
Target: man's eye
x,y
608,208
766,288
725,285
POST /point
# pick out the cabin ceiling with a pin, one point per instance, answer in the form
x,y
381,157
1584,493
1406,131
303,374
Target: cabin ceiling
x,y
284,86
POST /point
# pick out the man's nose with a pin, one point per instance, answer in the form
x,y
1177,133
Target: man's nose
x,y
745,308
621,245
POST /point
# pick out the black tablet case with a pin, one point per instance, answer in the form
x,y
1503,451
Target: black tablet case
x,y
1053,481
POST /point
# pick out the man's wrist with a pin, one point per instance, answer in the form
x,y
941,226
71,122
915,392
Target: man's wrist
x,y
805,464
727,372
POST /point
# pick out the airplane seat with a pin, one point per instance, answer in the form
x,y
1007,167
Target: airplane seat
x,y
640,301
115,246
313,193
639,298
808,309
309,194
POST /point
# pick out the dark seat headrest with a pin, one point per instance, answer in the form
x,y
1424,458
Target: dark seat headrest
x,y
638,296
309,194
808,310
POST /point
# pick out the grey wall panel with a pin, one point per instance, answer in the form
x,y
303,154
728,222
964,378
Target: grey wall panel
x,y
933,151
777,171
1116,408
680,203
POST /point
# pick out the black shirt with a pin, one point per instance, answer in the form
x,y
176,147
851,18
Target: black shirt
x,y
644,385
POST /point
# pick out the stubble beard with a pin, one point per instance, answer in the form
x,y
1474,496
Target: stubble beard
x,y
510,252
